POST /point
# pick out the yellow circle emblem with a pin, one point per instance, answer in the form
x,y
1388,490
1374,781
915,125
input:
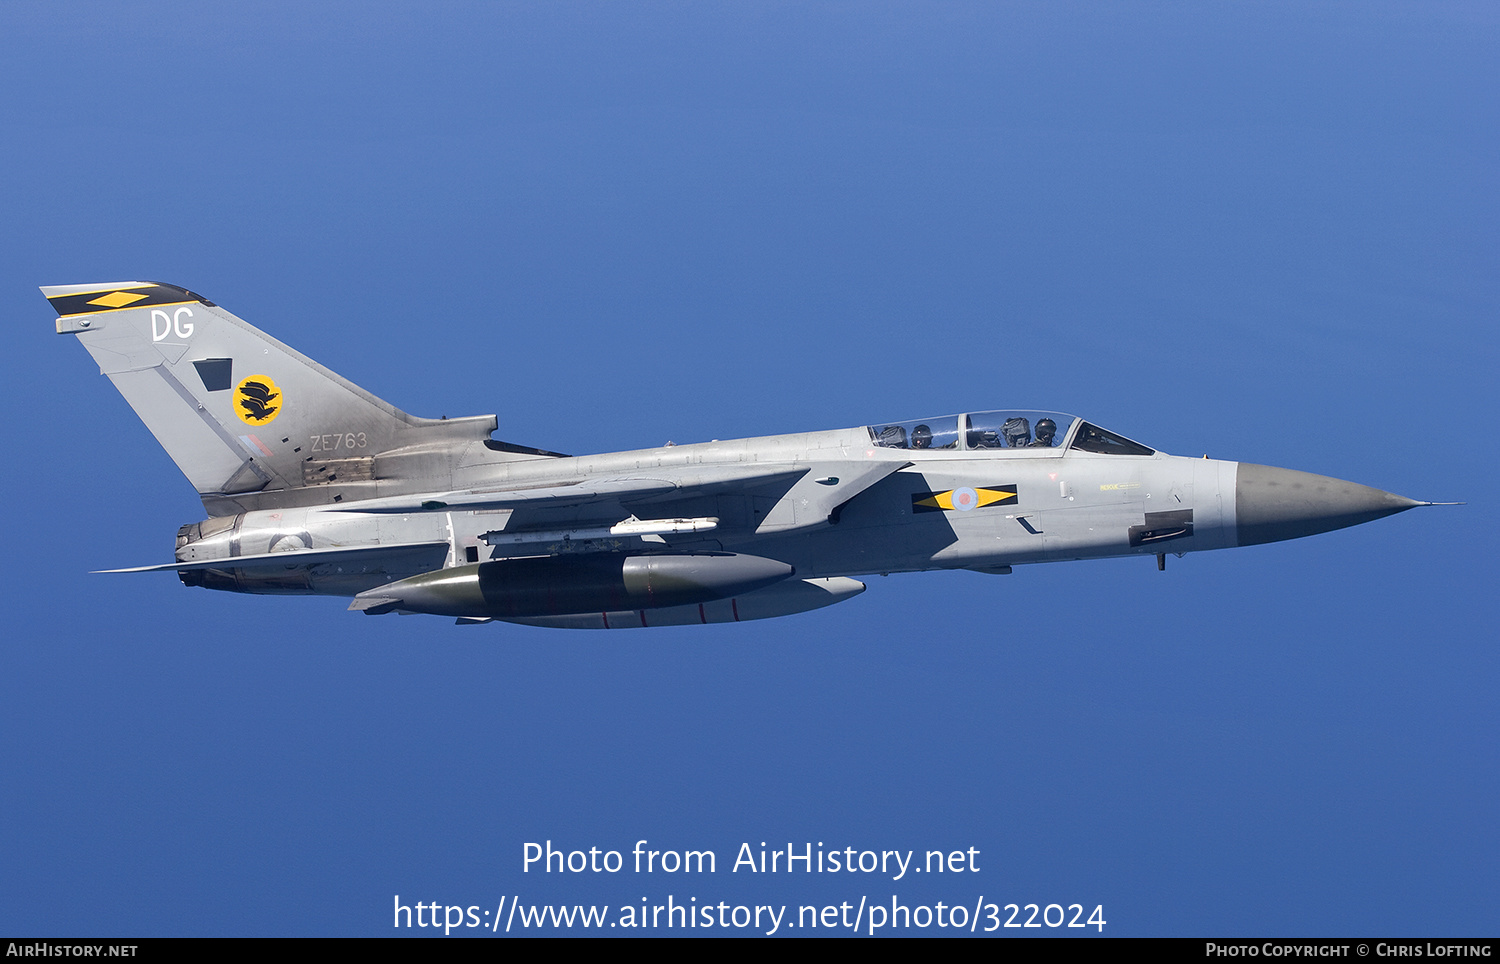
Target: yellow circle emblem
x,y
257,400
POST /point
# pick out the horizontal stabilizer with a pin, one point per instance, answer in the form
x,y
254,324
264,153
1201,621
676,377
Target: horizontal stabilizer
x,y
292,559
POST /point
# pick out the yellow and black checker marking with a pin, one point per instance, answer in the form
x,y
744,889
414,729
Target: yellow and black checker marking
x,y
135,295
964,499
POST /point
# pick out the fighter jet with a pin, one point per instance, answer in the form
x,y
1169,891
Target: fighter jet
x,y
314,486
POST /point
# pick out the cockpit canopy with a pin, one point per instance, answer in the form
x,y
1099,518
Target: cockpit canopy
x,y
1016,429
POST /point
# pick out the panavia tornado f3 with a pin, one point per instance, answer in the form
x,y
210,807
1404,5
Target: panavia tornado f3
x,y
314,486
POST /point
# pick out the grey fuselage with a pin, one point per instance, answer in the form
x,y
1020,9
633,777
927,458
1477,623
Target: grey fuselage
x,y
314,485
1067,505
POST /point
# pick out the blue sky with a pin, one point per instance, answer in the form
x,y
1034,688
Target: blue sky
x,y
1258,231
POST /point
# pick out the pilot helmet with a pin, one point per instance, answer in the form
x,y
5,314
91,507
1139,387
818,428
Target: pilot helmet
x,y
1046,430
921,437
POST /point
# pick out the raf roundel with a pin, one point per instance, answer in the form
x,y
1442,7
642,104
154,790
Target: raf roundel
x,y
257,400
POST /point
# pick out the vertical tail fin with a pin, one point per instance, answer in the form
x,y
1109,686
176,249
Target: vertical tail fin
x,y
245,417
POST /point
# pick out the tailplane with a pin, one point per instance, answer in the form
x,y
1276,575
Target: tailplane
x,y
252,423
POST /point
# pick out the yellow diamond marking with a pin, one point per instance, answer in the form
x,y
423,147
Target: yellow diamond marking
x,y
117,299
991,496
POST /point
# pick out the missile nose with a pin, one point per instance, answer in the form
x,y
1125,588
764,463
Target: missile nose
x,y
1273,504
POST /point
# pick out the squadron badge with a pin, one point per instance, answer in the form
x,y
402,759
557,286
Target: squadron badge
x,y
257,400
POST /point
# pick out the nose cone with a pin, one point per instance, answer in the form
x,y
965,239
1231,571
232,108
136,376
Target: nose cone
x,y
1274,504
